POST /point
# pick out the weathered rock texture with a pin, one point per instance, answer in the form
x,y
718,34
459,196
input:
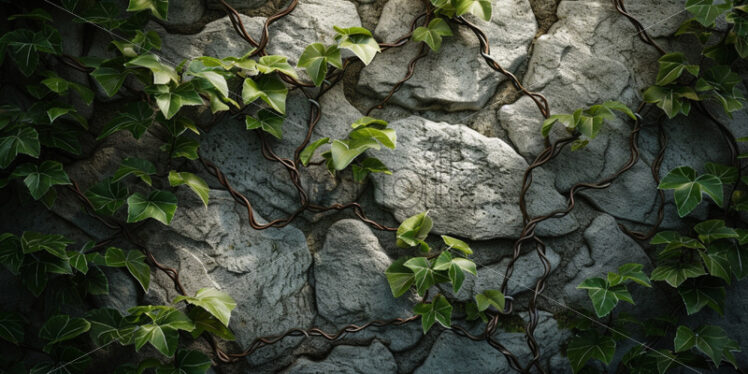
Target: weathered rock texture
x,y
328,269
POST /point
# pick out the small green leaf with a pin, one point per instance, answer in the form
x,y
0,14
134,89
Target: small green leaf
x,y
140,168
107,196
671,99
11,254
604,297
714,229
110,79
170,101
422,272
189,362
359,41
268,120
689,188
51,243
315,59
11,327
159,205
218,303
480,8
672,66
205,322
439,310
133,260
269,88
700,292
108,325
60,328
306,155
135,118
433,33
399,277
457,244
490,298
626,272
34,277
40,178
24,140
198,69
182,146
709,339
707,11
159,8
195,183
414,229
272,63
590,345
676,273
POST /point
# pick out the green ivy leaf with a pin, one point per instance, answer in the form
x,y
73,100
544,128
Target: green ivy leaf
x,y
590,345
140,168
110,79
387,137
159,205
399,277
170,101
108,325
629,272
345,151
433,33
490,298
135,118
272,63
24,140
60,328
34,277
40,178
689,188
217,81
188,362
269,88
359,41
78,261
422,272
692,26
723,83
195,183
306,155
700,292
726,174
51,243
714,229
11,254
672,66
315,59
204,321
96,281
218,303
439,310
182,146
133,260
709,339
707,11
107,196
676,273
11,327
671,99
158,8
268,121
457,244
480,8
567,120
161,337
414,229
605,297
674,241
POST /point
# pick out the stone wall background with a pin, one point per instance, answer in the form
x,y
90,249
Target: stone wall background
x,y
465,137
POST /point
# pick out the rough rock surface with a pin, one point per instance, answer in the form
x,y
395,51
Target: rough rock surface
x,y
349,359
452,353
238,151
433,85
262,270
185,12
469,183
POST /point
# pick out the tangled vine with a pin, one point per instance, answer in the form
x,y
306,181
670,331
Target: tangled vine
x,y
154,91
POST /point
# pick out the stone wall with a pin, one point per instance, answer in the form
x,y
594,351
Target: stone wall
x,y
465,137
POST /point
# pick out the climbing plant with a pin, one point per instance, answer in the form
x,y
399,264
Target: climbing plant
x,y
40,132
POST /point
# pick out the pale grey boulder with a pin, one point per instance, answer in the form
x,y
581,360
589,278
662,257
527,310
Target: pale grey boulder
x,y
262,270
238,152
374,358
435,85
185,12
468,182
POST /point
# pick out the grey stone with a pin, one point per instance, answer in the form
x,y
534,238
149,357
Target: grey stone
x,y
185,12
435,85
469,182
455,354
238,152
215,247
349,359
217,39
237,4
608,249
350,284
